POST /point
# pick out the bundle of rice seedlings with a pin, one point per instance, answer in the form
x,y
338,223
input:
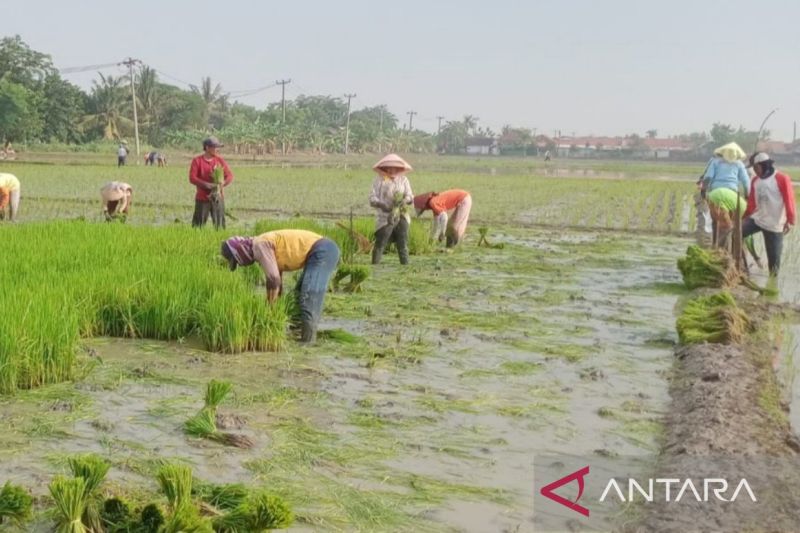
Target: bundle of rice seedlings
x,y
116,516
225,497
714,318
270,511
176,483
262,511
357,274
484,240
708,268
187,519
204,423
15,504
69,496
151,519
339,335
92,469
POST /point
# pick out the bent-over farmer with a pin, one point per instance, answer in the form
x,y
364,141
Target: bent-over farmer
x,y
456,200
726,184
209,199
285,251
391,195
117,197
9,196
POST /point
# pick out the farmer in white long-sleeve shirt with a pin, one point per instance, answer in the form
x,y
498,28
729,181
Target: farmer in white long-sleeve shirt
x,y
391,196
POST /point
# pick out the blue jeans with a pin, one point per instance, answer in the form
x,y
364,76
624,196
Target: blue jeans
x,y
313,284
773,242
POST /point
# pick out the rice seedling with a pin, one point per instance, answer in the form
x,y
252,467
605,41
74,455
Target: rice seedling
x,y
176,483
69,496
15,504
354,274
262,511
707,268
116,516
713,318
92,469
151,518
225,497
204,423
159,283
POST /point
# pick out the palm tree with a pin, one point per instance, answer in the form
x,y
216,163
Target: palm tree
x,y
470,123
213,96
107,101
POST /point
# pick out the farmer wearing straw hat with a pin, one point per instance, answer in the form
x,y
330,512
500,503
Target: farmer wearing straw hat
x,y
209,199
724,177
456,200
117,197
770,208
284,251
9,196
391,195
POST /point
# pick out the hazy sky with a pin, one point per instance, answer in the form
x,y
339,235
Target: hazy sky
x,y
583,66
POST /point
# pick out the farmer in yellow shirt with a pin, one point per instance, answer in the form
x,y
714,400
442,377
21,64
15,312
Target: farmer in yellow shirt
x,y
9,196
287,250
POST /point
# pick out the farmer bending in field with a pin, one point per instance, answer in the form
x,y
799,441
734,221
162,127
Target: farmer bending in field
x,y
117,197
9,196
284,251
391,195
210,174
770,208
723,180
456,200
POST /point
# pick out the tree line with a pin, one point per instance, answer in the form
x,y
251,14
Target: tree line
x,y
38,106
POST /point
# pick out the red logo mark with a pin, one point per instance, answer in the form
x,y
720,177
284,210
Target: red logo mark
x,y
547,491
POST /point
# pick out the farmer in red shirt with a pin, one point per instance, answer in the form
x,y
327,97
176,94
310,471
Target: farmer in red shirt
x,y
209,199
456,200
770,208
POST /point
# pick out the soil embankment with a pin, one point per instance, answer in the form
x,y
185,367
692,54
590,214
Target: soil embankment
x,y
727,420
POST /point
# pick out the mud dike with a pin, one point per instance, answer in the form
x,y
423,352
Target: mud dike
x,y
726,421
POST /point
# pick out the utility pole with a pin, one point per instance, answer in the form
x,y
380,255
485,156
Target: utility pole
x,y
411,120
347,124
283,84
439,129
794,132
130,62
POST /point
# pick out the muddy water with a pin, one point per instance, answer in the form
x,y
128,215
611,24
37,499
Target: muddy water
x,y
470,365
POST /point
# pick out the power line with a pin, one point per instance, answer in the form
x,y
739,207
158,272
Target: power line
x,y
75,70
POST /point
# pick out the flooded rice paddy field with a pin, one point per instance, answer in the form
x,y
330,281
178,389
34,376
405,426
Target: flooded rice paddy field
x,y
464,367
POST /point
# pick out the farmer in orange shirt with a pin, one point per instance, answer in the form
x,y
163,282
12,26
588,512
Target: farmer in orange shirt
x,y
456,200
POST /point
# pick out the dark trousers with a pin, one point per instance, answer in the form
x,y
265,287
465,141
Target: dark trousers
x,y
121,161
773,242
213,208
398,234
313,284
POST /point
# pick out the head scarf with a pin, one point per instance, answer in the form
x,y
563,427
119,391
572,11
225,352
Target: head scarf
x,y
392,160
730,152
238,251
421,201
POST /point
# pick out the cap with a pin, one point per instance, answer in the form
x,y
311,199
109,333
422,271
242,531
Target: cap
x,y
226,252
757,158
212,141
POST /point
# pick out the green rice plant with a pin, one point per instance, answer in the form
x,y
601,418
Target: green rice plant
x,y
204,423
713,318
15,504
116,516
355,275
92,469
176,483
216,391
225,497
186,519
69,496
707,268
262,511
151,519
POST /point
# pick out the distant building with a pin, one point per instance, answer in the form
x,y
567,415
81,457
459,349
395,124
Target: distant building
x,y
588,147
481,146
